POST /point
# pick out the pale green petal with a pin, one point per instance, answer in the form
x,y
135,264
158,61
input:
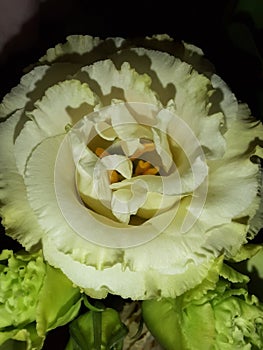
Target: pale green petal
x,y
232,275
124,84
18,217
183,90
174,184
75,44
105,130
29,137
245,139
62,104
17,98
94,182
126,201
87,49
83,49
227,237
214,142
171,78
163,149
157,198
93,186
129,283
131,121
225,99
187,52
130,146
118,162
33,85
154,184
39,172
225,200
156,203
244,135
195,56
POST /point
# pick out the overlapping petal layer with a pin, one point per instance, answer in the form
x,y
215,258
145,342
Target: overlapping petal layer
x,y
85,75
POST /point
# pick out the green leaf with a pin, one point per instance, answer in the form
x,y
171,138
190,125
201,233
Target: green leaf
x,y
59,301
21,276
163,319
97,330
232,275
224,318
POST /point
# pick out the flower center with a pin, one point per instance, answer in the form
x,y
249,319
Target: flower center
x,y
140,166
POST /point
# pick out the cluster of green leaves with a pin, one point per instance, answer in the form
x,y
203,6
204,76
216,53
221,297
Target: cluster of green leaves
x,y
217,314
36,298
220,317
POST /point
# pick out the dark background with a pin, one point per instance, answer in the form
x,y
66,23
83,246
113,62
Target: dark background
x,y
229,32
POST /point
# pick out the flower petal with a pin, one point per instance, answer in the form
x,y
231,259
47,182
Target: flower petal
x,y
62,104
124,84
17,215
29,90
183,90
126,201
225,200
82,49
75,44
66,102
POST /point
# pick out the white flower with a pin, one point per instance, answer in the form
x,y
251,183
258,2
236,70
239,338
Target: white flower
x,y
152,181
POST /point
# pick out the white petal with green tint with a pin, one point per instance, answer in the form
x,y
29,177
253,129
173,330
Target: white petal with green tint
x,y
183,90
33,86
82,49
225,200
227,100
105,130
93,183
244,135
17,215
76,44
17,98
120,163
124,84
127,201
63,104
138,285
